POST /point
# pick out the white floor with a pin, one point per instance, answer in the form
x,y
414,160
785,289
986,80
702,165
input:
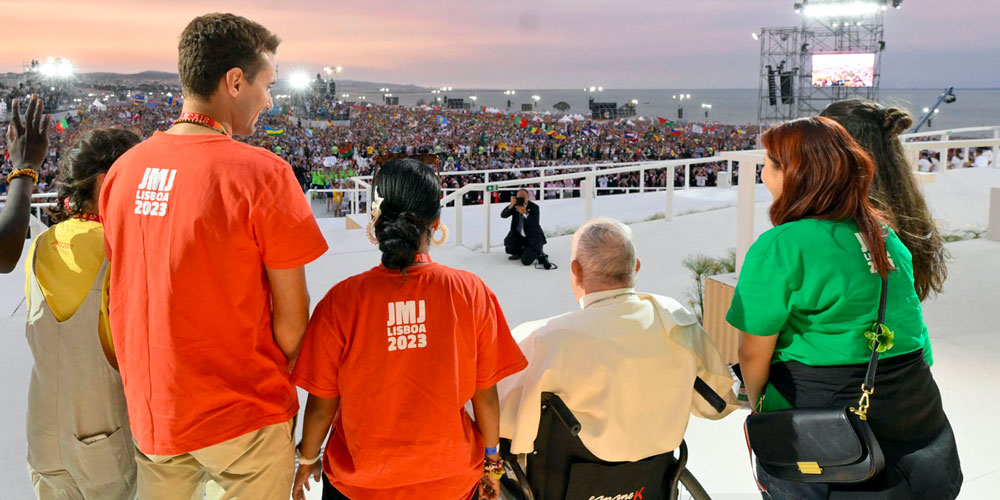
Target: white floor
x,y
962,321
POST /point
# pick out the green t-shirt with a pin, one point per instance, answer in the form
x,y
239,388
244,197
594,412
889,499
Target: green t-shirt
x,y
812,283
317,178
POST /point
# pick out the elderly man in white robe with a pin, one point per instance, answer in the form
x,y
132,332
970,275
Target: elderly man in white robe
x,y
625,364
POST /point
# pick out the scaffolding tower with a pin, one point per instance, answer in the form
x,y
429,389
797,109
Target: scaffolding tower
x,y
786,88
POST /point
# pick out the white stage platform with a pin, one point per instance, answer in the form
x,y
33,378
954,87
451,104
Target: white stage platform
x,y
963,321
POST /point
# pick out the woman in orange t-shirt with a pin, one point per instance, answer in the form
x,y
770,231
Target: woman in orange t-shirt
x,y
392,356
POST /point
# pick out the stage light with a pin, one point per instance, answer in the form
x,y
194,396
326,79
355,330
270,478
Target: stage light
x,y
840,9
299,80
56,68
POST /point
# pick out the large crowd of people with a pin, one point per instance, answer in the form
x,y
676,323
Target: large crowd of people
x,y
326,155
174,289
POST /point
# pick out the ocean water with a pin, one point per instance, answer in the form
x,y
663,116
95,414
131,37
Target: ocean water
x,y
972,108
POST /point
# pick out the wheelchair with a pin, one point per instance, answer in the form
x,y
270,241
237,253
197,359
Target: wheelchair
x,y
561,467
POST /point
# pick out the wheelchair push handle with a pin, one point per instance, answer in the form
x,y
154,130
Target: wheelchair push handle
x,y
710,395
562,412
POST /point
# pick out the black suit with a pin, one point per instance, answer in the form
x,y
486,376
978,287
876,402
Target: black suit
x,y
529,245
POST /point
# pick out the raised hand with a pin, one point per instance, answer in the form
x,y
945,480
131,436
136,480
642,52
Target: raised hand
x,y
27,137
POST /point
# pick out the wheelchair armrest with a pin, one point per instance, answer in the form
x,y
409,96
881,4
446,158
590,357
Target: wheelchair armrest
x,y
562,411
710,395
510,460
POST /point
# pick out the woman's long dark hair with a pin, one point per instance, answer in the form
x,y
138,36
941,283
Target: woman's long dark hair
x,y
826,176
89,157
410,202
895,190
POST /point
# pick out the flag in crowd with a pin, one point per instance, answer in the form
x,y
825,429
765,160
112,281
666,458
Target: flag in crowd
x,y
309,132
138,99
274,131
664,121
136,118
697,129
441,120
61,126
631,137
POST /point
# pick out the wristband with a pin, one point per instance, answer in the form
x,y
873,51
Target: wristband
x,y
492,450
24,172
306,461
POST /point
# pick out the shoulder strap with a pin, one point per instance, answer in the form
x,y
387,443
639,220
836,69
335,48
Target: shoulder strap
x,y
873,363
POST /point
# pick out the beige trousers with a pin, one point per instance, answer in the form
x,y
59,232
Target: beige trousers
x,y
256,465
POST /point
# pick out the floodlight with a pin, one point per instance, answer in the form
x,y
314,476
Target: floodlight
x,y
840,9
299,80
755,36
536,98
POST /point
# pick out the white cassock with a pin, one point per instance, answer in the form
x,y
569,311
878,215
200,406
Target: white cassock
x,y
625,366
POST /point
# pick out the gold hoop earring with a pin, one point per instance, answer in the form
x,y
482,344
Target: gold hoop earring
x,y
370,230
439,242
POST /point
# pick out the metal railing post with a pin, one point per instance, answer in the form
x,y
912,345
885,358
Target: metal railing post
x,y
459,205
486,221
996,148
588,197
642,180
670,193
687,176
746,192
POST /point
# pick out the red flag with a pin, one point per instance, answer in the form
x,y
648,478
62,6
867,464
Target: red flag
x,y
661,120
524,123
136,118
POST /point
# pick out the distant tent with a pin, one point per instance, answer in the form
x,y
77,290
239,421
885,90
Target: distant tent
x,y
561,106
97,104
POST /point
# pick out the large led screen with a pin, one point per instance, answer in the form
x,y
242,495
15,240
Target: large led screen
x,y
843,70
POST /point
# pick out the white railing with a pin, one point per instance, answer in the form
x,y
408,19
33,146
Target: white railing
x,y
947,133
358,193
587,179
37,206
913,150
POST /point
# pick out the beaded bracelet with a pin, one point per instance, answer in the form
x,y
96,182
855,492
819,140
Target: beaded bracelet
x,y
494,469
24,172
306,461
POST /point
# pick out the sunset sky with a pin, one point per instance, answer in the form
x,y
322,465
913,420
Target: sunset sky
x,y
514,43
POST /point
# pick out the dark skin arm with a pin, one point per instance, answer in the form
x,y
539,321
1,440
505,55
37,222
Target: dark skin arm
x,y
315,426
27,143
486,405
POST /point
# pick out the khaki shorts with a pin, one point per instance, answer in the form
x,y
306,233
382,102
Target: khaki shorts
x,y
257,465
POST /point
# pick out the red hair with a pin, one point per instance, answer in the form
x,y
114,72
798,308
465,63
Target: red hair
x,y
827,176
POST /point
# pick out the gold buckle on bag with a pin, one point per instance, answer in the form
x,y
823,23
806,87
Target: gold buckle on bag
x,y
812,468
862,410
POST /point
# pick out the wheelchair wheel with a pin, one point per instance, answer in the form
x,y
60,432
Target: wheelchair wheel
x,y
688,488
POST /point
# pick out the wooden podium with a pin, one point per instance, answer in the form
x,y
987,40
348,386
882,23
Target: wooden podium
x,y
718,295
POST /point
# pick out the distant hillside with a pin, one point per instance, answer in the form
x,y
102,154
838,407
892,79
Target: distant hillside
x,y
348,85
145,75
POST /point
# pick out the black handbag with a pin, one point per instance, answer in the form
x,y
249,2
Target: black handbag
x,y
823,445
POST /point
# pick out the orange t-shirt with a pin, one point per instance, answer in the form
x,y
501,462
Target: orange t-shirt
x,y
404,353
190,223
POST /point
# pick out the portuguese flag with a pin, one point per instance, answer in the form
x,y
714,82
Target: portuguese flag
x,y
61,126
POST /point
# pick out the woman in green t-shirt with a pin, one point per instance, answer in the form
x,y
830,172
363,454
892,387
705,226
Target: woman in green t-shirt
x,y
809,289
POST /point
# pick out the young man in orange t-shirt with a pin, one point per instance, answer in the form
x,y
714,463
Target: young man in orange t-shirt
x,y
208,238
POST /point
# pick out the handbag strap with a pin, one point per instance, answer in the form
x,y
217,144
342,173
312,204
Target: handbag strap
x,y
868,387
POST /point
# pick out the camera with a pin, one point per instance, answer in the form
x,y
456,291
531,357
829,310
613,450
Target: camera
x,y
521,201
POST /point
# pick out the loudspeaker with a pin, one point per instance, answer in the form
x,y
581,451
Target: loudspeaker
x,y
787,96
772,92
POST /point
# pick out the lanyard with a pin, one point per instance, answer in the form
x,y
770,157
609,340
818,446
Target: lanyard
x,y
90,217
203,120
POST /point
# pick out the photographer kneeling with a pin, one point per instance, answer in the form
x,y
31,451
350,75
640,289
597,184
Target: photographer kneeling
x,y
525,239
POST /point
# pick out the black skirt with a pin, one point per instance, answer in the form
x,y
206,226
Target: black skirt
x,y
906,417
